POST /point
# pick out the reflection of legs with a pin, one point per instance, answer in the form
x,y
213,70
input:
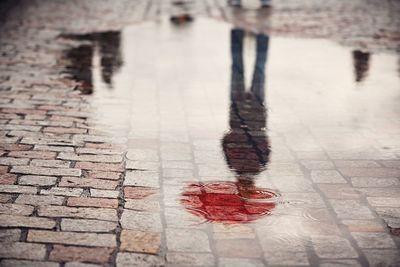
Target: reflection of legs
x,y
234,2
257,86
237,79
265,3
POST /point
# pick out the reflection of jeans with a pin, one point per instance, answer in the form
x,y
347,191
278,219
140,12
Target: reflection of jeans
x,y
237,79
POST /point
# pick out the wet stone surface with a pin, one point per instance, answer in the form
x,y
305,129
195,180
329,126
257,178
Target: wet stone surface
x,y
224,137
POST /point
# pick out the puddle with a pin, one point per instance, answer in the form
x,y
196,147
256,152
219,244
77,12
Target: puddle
x,y
228,202
231,121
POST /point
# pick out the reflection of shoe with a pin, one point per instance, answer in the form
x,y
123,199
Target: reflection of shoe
x,y
236,3
181,19
265,3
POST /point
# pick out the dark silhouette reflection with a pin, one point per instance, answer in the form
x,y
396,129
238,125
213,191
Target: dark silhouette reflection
x,y
246,145
246,148
110,52
80,67
361,64
80,58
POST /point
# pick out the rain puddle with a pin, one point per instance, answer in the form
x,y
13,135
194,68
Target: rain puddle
x,y
243,134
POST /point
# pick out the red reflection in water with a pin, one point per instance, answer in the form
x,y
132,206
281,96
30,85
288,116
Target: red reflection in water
x,y
228,202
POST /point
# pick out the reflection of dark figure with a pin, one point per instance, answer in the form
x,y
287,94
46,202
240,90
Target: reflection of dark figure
x,y
246,145
110,52
361,64
80,58
80,67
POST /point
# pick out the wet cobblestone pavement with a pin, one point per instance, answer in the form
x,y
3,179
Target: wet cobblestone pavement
x,y
246,137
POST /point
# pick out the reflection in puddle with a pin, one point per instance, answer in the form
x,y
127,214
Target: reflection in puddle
x,y
80,65
228,202
194,112
246,147
361,64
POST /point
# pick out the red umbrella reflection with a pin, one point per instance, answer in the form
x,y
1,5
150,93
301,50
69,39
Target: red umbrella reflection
x,y
228,202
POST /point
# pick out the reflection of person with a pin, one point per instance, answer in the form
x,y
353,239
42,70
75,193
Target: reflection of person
x,y
246,145
238,3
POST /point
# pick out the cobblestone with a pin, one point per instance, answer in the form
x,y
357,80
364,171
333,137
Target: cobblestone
x,y
70,238
46,171
37,180
92,202
18,189
137,241
104,193
20,250
8,179
79,225
33,154
22,221
96,255
16,209
180,240
333,247
60,191
10,235
87,183
106,182
191,259
25,263
374,240
39,200
125,259
92,158
143,221
85,213
50,163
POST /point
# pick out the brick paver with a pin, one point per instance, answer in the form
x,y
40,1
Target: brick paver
x,y
95,180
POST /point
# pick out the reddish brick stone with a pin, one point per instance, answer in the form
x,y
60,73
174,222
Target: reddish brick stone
x,y
138,241
117,167
3,169
72,253
15,147
139,192
104,175
92,202
33,154
8,178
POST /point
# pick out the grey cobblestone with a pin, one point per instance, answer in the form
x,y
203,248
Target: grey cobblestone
x,y
21,250
36,180
45,171
329,170
85,213
70,238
